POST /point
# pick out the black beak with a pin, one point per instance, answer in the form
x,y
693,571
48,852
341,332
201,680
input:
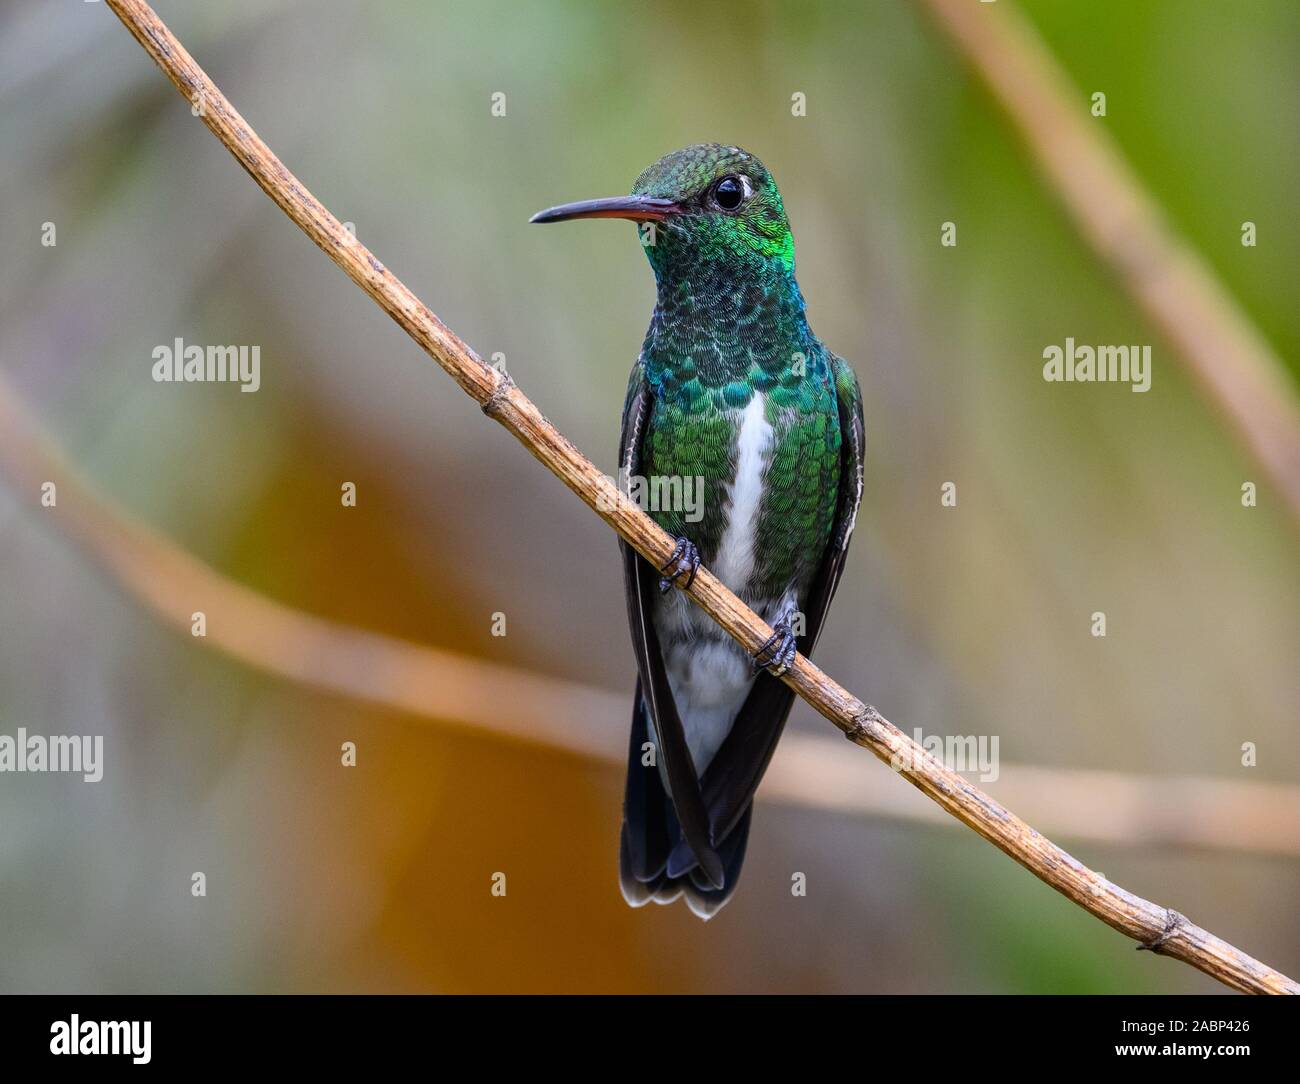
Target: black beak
x,y
636,208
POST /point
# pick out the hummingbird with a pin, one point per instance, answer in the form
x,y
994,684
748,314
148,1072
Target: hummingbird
x,y
733,392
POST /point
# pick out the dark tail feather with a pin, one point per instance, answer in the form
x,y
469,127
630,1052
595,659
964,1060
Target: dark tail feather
x,y
701,897
651,835
643,853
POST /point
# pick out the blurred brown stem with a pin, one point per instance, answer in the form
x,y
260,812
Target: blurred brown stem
x,y
1169,281
1114,808
1157,928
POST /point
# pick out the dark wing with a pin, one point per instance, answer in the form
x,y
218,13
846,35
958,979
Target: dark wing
x,y
853,452
734,774
642,584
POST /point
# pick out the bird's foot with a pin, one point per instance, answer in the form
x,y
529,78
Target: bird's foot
x,y
778,652
685,561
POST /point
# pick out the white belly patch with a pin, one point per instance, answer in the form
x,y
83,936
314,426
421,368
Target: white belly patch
x,y
708,672
735,563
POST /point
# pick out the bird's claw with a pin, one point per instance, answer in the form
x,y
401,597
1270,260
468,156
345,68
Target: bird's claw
x,y
685,561
778,651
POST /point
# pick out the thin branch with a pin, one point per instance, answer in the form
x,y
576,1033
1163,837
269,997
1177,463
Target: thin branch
x,y
1157,928
1115,808
1227,356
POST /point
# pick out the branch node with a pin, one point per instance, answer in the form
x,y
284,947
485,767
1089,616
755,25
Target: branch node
x,y
1172,921
500,393
863,723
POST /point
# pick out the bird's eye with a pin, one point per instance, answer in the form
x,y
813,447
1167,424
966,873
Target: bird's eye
x,y
730,192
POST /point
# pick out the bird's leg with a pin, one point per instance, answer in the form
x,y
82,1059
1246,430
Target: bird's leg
x,y
685,561
778,651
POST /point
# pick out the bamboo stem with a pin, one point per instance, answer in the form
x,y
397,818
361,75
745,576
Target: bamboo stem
x,y
1118,809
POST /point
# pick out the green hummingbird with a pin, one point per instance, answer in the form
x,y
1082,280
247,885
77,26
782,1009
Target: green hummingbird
x,y
734,393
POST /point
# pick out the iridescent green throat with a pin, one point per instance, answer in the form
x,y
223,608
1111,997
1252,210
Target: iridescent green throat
x,y
727,322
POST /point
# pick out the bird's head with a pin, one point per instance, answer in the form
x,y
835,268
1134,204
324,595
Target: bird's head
x,y
704,203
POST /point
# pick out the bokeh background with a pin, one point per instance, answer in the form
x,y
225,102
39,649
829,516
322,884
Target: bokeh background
x,y
969,620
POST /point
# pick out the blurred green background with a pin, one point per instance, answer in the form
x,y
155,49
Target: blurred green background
x,y
969,620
